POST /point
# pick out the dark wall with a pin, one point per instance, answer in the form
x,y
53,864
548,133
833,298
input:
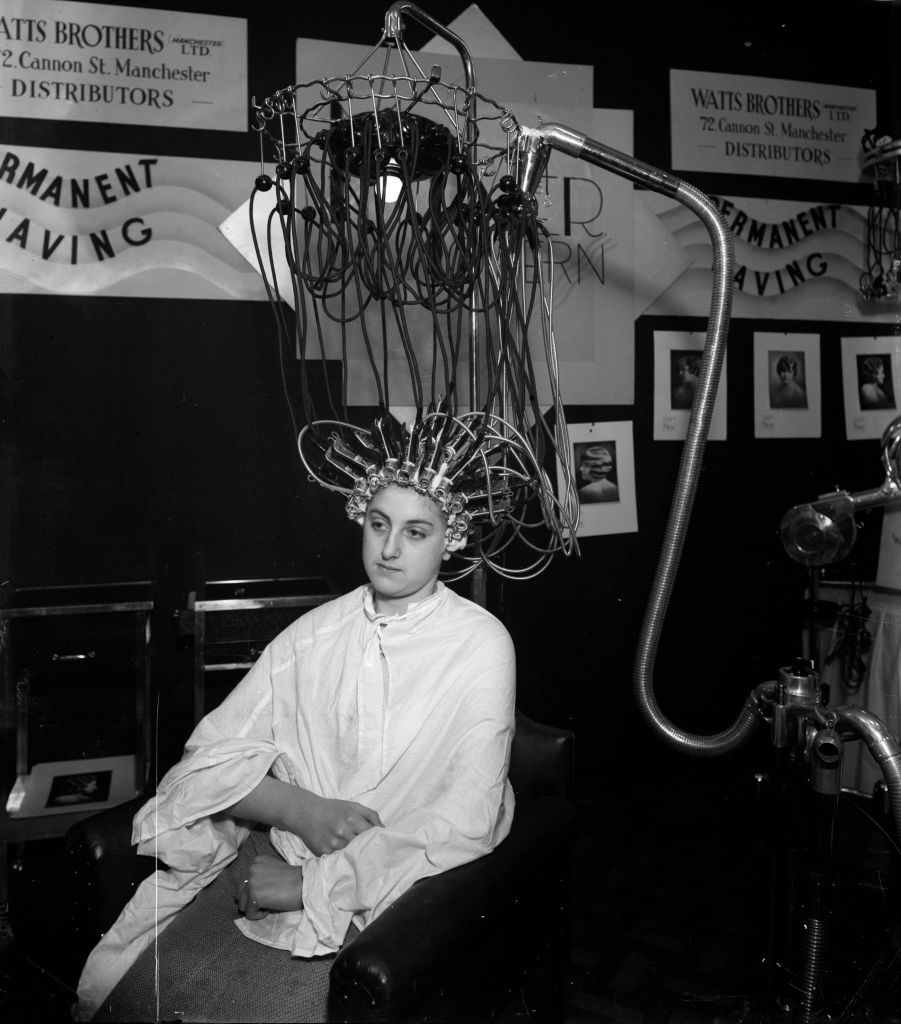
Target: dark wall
x,y
151,439
738,605
161,430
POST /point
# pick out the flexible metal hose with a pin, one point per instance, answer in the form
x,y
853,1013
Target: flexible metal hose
x,y
683,500
886,750
814,944
572,142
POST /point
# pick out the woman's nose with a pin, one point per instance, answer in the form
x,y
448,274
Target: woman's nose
x,y
390,548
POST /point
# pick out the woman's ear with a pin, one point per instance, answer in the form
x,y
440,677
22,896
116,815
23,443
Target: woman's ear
x,y
454,545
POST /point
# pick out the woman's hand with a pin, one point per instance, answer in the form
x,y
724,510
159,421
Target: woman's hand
x,y
325,825
270,885
329,825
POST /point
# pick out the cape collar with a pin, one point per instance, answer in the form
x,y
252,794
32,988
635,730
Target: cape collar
x,y
415,612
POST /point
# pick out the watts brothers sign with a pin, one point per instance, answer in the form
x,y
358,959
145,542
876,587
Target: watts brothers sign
x,y
97,62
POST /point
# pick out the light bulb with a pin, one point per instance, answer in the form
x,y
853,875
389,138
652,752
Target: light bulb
x,y
390,183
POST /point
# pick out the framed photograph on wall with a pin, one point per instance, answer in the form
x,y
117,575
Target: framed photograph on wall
x,y
871,374
677,366
603,461
787,385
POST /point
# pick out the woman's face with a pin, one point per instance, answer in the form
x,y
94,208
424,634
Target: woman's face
x,y
404,542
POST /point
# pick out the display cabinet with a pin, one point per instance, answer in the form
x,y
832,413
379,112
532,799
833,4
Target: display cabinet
x,y
76,677
75,709
232,621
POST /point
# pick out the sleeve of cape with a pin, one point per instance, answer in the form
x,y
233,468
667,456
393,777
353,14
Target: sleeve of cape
x,y
226,756
466,810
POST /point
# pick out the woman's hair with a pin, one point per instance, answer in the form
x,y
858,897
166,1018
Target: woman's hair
x,y
691,363
787,364
871,367
597,457
596,452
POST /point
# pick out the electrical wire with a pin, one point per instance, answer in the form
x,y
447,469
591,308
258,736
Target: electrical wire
x,y
852,640
442,294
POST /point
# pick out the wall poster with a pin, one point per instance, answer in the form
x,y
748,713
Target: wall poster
x,y
793,260
736,124
77,222
63,60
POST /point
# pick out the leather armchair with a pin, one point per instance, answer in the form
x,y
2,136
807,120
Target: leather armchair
x,y
460,946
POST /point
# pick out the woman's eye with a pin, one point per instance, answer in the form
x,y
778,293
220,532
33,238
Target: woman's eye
x,y
416,534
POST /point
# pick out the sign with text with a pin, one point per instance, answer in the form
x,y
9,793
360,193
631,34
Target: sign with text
x,y
735,124
61,60
76,222
793,260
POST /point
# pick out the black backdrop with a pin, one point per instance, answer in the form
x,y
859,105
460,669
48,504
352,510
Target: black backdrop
x,y
149,439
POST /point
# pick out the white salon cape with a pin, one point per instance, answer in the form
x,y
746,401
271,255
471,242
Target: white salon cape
x,y
426,744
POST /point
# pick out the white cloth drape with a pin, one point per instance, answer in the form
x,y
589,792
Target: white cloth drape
x,y
426,744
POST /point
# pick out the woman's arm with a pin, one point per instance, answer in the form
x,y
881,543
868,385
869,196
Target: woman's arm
x,y
324,825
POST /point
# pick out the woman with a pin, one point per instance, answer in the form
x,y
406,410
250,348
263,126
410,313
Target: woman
x,y
688,372
372,739
788,393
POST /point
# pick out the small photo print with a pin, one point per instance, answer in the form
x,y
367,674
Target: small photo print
x,y
603,467
685,371
874,381
871,372
596,473
677,367
82,785
787,385
86,788
788,380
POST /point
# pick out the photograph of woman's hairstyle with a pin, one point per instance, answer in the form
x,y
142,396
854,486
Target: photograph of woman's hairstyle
x,y
684,374
874,382
788,389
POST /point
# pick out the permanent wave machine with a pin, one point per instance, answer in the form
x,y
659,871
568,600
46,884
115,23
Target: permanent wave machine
x,y
399,220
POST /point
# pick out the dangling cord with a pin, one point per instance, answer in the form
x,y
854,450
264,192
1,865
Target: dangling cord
x,y
853,640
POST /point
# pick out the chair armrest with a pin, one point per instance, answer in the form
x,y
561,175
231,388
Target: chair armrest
x,y
449,919
542,760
